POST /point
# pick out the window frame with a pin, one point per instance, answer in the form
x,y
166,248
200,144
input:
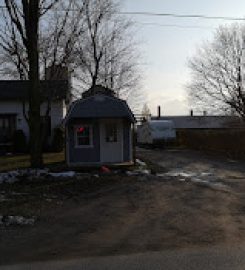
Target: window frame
x,y
90,145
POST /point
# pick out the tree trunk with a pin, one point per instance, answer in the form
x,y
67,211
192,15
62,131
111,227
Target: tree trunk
x,y
34,85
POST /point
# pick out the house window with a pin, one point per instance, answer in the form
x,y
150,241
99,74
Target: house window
x,y
7,127
83,135
111,133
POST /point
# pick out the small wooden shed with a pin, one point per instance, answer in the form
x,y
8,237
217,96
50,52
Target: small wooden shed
x,y
99,130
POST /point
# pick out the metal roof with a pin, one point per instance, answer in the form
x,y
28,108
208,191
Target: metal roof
x,y
100,106
160,123
204,122
18,90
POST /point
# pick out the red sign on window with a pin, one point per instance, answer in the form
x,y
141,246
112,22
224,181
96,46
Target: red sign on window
x,y
80,129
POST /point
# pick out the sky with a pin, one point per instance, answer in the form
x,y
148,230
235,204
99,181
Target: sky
x,y
165,50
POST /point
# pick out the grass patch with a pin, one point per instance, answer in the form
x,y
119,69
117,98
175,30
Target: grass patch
x,y
14,162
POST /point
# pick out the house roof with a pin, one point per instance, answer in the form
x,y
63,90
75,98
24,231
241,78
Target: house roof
x,y
100,106
18,90
204,122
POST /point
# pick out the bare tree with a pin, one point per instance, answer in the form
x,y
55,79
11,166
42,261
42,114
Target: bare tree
x,y
19,37
60,32
217,72
90,37
106,53
146,112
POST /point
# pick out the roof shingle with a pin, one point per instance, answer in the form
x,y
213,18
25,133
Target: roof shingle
x,y
18,90
100,106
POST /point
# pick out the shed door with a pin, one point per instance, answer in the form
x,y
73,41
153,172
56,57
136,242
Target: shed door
x,y
111,141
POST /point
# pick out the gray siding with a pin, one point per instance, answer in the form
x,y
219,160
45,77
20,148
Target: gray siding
x,y
84,155
126,141
91,155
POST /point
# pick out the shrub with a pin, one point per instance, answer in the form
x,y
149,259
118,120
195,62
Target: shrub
x,y
58,140
20,142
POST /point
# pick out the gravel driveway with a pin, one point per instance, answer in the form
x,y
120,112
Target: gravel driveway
x,y
120,214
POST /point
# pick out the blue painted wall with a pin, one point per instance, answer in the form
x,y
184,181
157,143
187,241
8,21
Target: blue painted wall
x,y
89,155
92,154
126,140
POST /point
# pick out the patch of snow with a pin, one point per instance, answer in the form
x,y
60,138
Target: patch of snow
x,y
16,220
9,177
179,174
3,198
138,172
14,176
161,174
63,174
198,180
206,174
146,172
203,178
140,162
232,160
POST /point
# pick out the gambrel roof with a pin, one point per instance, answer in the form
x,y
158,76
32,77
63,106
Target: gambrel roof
x,y
100,106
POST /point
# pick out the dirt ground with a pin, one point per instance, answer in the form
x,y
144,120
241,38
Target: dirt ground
x,y
120,214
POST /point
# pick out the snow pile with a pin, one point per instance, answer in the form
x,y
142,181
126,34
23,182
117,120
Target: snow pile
x,y
9,177
16,221
140,162
142,169
14,176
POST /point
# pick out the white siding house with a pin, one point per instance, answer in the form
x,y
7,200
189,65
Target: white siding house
x,y
14,102
58,112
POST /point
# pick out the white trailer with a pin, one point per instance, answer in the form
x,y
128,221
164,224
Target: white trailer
x,y
154,132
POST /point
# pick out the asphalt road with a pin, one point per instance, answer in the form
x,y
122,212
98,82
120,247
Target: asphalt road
x,y
215,258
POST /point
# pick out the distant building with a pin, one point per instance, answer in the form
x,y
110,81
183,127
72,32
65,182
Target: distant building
x,y
203,122
99,129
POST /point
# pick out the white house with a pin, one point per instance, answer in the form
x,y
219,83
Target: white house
x,y
14,106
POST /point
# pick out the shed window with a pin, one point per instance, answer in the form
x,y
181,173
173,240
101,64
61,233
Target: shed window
x,y
83,135
111,133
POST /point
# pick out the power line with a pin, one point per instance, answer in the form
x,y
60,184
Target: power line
x,y
176,25
189,16
174,15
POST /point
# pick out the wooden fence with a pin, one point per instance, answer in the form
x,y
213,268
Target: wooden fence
x,y
227,142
